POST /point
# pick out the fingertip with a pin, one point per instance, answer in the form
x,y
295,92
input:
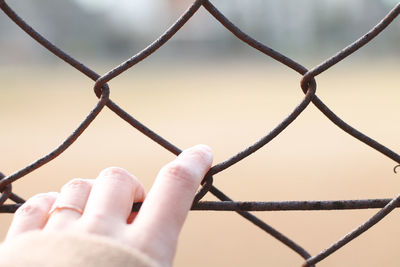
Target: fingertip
x,y
169,200
188,169
121,175
201,150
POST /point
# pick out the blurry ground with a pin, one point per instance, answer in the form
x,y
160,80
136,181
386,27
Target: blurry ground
x,y
227,106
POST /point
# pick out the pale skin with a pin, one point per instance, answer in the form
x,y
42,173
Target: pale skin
x,y
107,201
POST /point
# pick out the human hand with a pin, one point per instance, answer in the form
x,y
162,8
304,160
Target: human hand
x,y
103,206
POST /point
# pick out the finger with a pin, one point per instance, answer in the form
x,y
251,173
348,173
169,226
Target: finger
x,y
112,197
71,200
32,215
162,215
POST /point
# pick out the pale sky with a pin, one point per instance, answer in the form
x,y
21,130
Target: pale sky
x,y
137,12
154,15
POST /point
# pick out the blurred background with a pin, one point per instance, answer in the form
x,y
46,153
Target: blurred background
x,y
205,86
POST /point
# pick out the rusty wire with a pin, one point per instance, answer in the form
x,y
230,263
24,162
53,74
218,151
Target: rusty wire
x,y
308,86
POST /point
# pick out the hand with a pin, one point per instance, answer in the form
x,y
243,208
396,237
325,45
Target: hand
x,y
106,204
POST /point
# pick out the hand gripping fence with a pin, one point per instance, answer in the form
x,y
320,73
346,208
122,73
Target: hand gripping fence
x,y
308,86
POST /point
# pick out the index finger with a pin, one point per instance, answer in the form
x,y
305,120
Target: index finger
x,y
164,211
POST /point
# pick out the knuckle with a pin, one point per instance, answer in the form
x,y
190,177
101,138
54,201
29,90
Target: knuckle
x,y
114,171
118,175
76,183
44,197
180,173
29,209
178,170
36,204
202,154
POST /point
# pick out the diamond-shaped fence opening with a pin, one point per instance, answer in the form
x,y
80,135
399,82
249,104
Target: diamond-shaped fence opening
x,y
308,85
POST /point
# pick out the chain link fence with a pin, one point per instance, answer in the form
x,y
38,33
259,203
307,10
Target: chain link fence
x,y
307,84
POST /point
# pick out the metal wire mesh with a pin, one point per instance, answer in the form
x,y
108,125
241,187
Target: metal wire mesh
x,y
308,86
